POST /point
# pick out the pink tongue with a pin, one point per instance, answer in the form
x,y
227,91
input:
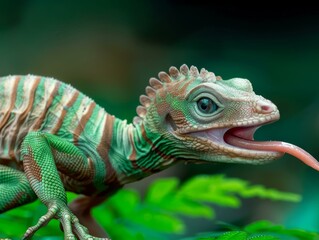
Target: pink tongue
x,y
275,146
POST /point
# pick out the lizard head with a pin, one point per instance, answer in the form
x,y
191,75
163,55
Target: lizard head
x,y
206,119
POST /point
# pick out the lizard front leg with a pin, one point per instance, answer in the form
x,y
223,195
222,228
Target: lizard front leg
x,y
41,154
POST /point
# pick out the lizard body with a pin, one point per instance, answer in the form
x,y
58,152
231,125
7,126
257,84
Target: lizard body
x,y
45,105
56,139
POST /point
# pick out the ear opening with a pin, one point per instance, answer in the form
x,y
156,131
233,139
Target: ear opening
x,y
170,122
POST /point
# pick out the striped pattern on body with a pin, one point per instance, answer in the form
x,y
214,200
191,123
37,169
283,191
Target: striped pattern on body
x,y
31,103
120,152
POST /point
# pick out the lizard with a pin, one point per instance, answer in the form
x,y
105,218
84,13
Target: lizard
x,y
56,139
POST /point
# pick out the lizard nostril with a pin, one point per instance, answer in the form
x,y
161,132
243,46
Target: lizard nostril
x,y
265,107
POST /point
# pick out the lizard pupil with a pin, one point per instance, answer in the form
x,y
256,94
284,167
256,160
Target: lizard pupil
x,y
206,105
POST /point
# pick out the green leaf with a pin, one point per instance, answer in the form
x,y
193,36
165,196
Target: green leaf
x,y
127,216
266,226
230,185
238,235
263,237
196,184
262,225
124,202
206,188
190,208
160,189
121,231
301,234
260,191
160,222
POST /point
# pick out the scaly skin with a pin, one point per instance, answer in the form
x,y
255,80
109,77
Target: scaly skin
x,y
55,139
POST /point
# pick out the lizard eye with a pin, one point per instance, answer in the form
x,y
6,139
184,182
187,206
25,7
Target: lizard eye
x,y
206,105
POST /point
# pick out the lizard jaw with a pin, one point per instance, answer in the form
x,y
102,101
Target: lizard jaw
x,y
239,142
225,140
235,138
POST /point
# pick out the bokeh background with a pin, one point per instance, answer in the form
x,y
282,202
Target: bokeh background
x,y
109,50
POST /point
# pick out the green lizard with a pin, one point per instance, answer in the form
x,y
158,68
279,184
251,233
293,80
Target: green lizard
x,y
55,139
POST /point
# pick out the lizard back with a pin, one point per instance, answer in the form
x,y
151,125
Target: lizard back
x,y
32,103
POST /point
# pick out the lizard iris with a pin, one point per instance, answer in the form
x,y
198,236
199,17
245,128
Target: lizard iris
x,y
206,105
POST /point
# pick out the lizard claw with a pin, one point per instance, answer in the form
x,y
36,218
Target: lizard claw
x,y
71,226
42,222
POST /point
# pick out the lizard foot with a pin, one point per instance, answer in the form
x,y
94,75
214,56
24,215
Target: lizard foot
x,y
71,226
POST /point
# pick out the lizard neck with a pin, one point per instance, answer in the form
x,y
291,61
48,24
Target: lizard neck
x,y
136,152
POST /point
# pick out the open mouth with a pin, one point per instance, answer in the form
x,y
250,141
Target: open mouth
x,y
239,142
243,138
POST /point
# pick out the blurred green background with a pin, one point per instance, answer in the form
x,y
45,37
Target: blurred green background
x,y
109,50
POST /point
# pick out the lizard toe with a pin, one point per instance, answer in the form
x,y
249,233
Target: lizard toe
x,y
82,232
42,222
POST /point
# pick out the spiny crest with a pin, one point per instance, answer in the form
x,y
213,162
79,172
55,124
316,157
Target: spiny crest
x,y
173,75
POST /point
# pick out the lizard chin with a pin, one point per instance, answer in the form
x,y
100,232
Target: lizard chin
x,y
239,142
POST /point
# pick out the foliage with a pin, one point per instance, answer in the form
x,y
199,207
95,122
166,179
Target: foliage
x,y
158,215
259,230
